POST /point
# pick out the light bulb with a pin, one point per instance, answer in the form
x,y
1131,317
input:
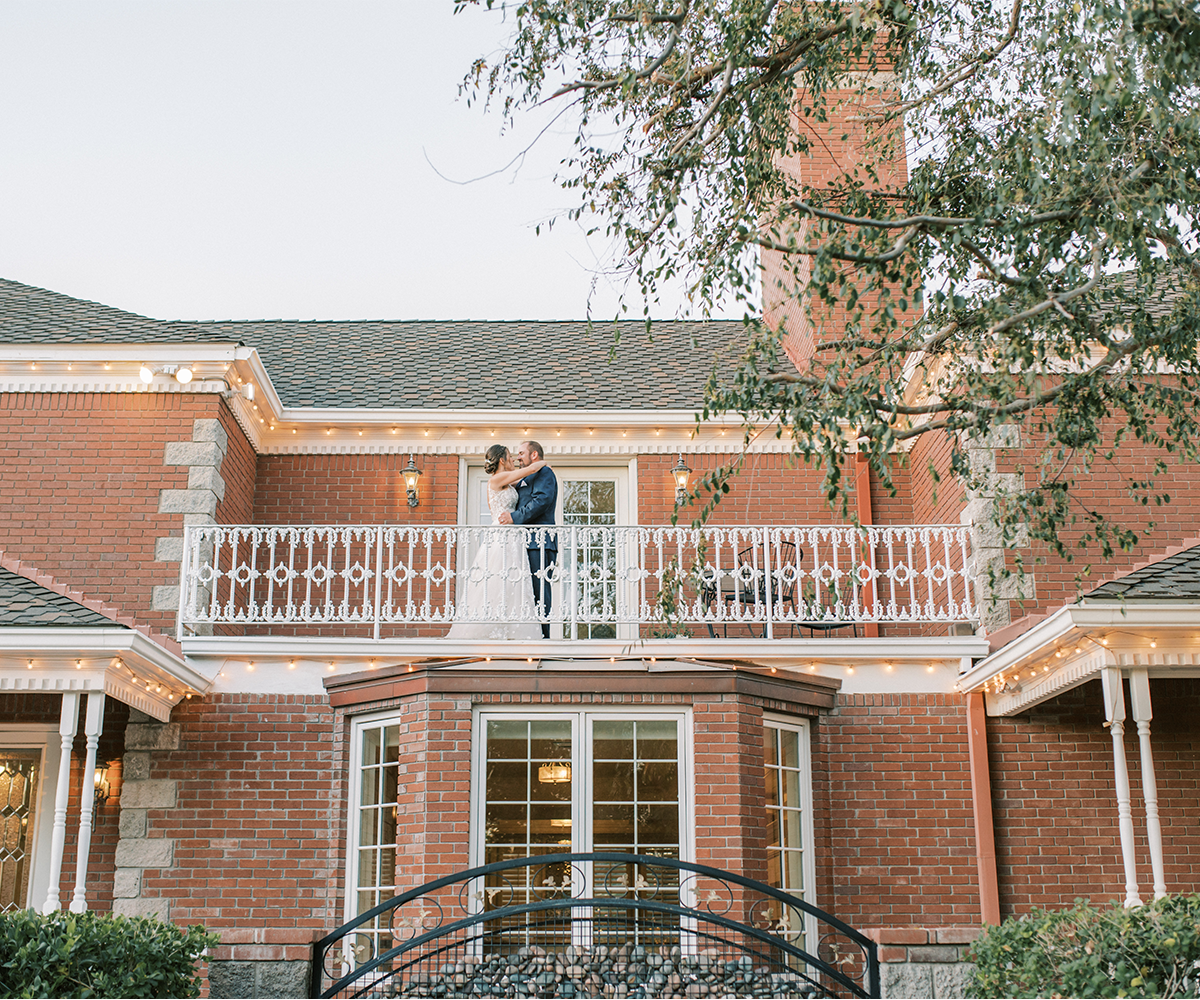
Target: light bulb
x,y
147,374
183,375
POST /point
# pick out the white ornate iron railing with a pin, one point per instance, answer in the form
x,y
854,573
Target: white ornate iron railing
x,y
410,579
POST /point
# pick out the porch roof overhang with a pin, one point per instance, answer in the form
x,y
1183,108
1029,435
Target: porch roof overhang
x,y
1077,642
118,661
550,676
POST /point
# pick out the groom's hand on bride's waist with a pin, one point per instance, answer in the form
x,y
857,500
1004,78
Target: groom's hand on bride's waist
x,y
504,517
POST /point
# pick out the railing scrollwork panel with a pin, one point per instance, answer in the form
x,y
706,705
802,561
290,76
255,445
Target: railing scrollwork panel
x,y
772,578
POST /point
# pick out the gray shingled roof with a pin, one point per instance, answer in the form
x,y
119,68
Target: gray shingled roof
x,y
24,603
1175,578
429,364
485,364
31,315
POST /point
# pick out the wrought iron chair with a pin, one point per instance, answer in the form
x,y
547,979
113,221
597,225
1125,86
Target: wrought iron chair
x,y
755,592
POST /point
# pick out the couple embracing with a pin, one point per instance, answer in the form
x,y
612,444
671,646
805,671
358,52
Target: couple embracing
x,y
500,600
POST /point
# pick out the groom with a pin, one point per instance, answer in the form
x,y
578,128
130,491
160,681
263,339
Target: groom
x,y
536,498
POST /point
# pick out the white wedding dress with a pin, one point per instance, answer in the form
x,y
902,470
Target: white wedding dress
x,y
495,595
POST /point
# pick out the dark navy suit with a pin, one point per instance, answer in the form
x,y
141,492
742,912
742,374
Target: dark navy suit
x,y
537,496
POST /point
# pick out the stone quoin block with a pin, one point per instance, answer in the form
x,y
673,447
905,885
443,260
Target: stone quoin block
x,y
160,908
206,477
156,793
168,549
187,502
154,736
144,852
203,453
208,430
127,883
952,980
132,823
165,598
134,767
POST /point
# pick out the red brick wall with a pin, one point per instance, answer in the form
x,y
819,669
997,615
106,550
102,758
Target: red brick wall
x,y
257,825
836,146
937,497
1055,806
82,474
1105,489
771,489
238,470
895,829
353,489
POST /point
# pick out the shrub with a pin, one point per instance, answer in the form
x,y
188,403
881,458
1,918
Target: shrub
x,y
1085,951
97,955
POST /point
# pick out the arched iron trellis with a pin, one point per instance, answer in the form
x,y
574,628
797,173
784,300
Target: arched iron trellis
x,y
595,925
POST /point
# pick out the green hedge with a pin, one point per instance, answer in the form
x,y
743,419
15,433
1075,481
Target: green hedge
x,y
1085,951
97,955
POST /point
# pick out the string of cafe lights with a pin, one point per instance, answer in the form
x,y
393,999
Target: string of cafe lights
x,y
153,686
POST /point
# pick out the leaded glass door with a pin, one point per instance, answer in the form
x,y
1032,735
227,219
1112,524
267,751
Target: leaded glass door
x,y
18,796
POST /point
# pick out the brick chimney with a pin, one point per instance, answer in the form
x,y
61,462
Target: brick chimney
x,y
841,145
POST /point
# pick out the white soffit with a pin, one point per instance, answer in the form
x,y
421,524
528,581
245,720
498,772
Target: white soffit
x,y
1074,644
118,661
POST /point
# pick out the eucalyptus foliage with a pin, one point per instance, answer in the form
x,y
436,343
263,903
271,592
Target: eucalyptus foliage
x,y
1050,144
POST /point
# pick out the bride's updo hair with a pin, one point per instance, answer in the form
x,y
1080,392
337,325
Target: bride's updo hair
x,y
496,454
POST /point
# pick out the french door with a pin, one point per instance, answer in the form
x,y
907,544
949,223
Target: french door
x,y
590,580
571,782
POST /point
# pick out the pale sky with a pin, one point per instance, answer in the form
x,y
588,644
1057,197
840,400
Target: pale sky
x,y
258,160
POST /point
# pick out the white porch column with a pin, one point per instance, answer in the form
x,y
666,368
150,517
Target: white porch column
x,y
67,723
92,727
1139,695
1114,710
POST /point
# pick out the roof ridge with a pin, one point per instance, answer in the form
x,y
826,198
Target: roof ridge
x,y
109,611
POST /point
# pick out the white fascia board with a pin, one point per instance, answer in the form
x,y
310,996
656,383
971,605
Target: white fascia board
x,y
79,643
783,652
491,417
1073,620
168,353
258,373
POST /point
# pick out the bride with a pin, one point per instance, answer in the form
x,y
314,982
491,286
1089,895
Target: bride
x,y
498,585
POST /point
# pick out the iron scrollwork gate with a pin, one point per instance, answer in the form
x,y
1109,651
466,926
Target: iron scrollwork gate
x,y
595,925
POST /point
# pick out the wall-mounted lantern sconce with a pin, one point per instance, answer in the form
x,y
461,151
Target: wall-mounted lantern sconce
x,y
411,476
681,473
102,785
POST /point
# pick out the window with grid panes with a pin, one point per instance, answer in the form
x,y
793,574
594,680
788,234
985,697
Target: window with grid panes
x,y
579,782
373,854
788,789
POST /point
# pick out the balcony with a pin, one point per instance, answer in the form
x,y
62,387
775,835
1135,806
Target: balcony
x,y
614,586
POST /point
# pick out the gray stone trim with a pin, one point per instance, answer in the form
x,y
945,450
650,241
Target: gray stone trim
x,y
137,850
197,504
993,590
257,979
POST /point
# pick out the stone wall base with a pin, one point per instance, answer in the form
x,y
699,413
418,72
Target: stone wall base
x,y
276,978
924,961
